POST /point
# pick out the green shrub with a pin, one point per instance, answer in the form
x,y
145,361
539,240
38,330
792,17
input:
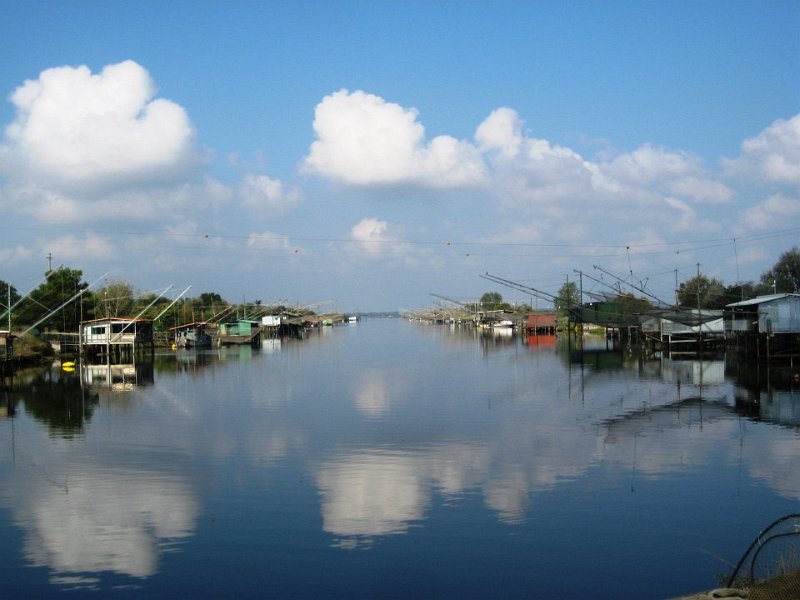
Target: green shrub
x,y
29,348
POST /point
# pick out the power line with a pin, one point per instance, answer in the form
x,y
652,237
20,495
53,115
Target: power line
x,y
683,245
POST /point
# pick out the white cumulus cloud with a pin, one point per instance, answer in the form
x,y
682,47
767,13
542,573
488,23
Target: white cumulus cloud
x,y
650,170
100,146
371,235
773,155
364,140
272,196
774,212
75,129
552,188
501,130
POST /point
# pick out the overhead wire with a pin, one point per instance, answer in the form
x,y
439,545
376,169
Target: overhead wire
x,y
682,245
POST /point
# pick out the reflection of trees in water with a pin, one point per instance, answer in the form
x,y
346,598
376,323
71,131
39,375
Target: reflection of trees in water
x,y
58,402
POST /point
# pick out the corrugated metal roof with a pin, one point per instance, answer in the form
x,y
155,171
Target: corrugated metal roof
x,y
761,300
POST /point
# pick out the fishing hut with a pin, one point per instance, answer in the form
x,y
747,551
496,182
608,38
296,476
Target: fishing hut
x,y
541,323
540,328
116,337
6,358
240,332
192,335
767,327
285,325
271,324
689,330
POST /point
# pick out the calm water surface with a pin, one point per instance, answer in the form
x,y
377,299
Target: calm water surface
x,y
389,459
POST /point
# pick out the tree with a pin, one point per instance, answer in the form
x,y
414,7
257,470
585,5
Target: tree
x,y
8,298
207,305
494,301
491,301
741,291
64,406
702,292
784,276
171,316
210,298
567,297
116,300
4,290
59,287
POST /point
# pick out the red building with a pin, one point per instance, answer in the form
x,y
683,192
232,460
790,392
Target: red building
x,y
541,322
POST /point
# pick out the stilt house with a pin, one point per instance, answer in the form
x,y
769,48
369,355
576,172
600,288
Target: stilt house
x,y
116,335
768,325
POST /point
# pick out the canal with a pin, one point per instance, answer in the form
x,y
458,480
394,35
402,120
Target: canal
x,y
389,459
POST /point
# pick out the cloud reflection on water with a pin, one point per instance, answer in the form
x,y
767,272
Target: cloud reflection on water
x,y
382,451
368,491
372,397
103,520
373,492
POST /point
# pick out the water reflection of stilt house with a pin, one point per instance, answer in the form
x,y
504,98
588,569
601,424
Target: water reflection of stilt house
x,y
117,377
7,404
116,337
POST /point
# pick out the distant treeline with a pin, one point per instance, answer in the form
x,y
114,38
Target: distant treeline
x,y
64,299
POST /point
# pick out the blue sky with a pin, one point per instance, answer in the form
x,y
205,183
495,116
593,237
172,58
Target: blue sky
x,y
374,152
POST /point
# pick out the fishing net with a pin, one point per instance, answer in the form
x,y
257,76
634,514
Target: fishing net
x,y
770,568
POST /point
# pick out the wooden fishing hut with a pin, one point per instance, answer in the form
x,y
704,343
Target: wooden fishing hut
x,y
293,327
323,320
241,332
688,330
271,324
6,346
192,335
116,337
767,327
6,357
541,323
